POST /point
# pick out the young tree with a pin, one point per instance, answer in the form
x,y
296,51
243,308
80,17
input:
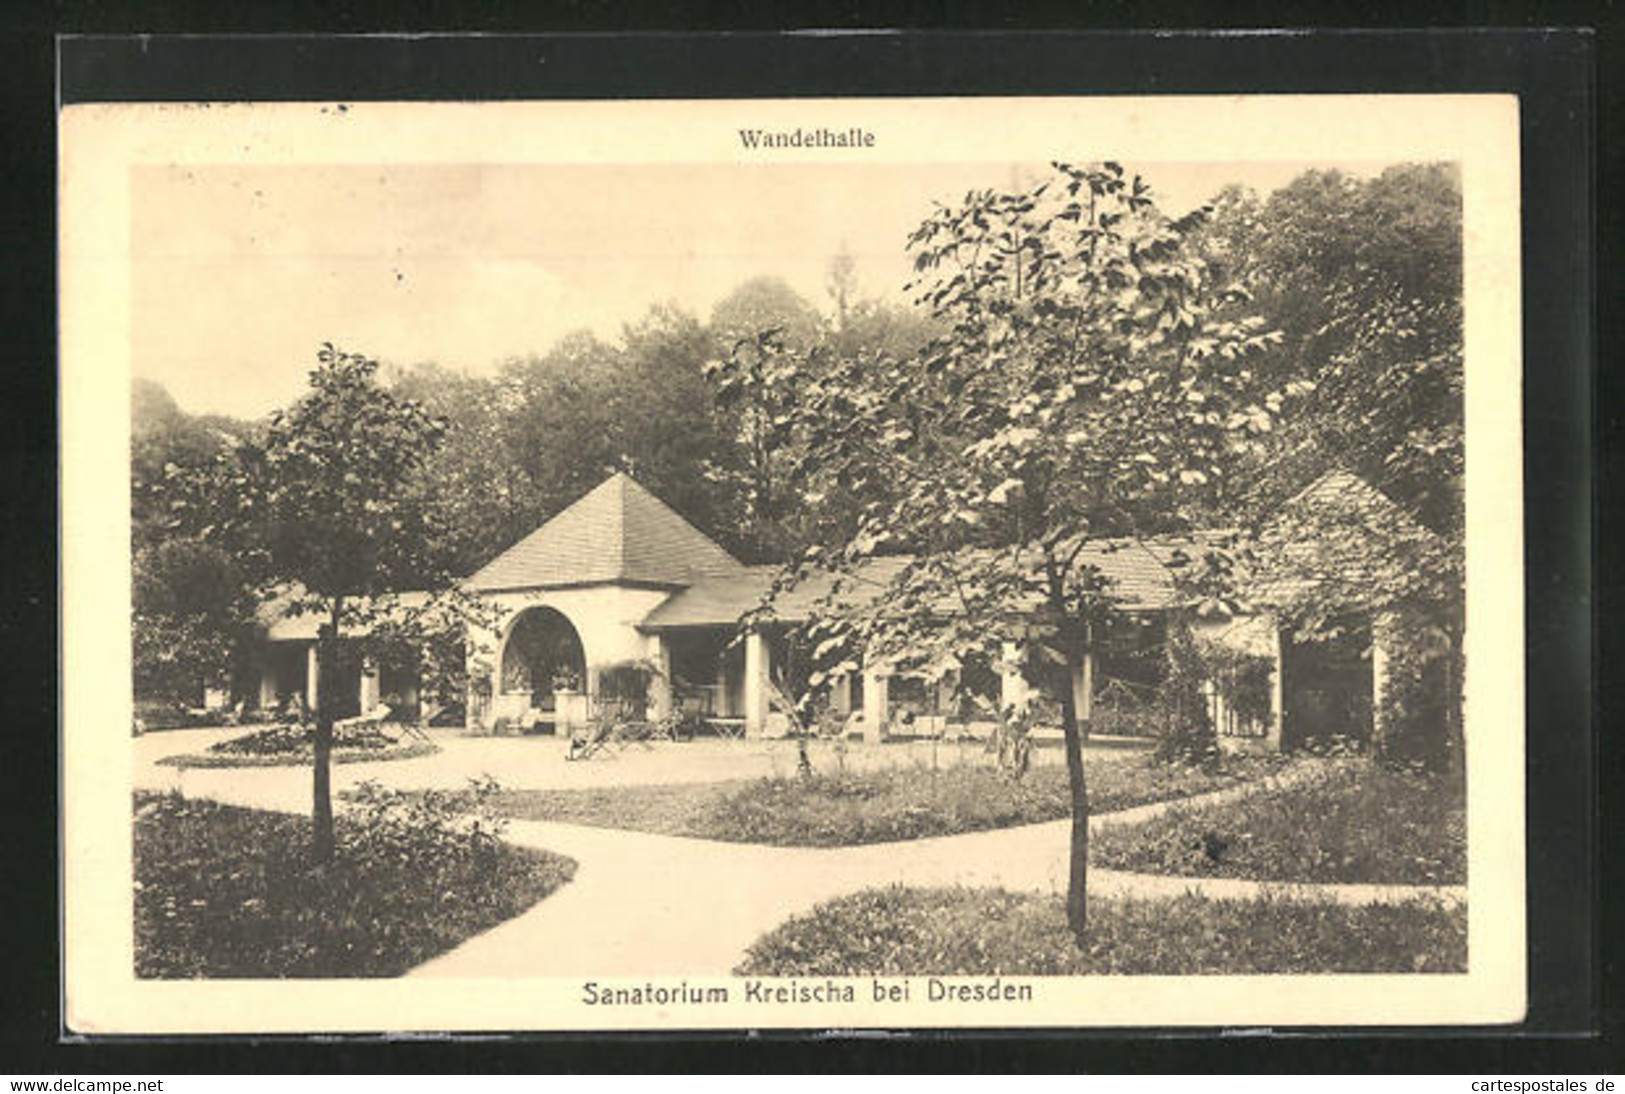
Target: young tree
x,y
324,494
1086,387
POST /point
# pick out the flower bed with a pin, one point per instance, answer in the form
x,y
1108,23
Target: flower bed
x,y
294,744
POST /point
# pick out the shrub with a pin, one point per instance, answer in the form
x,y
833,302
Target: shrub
x,y
1333,746
1357,823
1188,734
431,826
844,808
1011,742
222,891
963,932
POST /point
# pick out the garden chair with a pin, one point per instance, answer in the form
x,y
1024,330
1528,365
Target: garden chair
x,y
623,734
592,740
372,721
418,730
598,736
732,729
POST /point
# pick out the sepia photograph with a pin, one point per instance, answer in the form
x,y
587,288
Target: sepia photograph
x,y
790,564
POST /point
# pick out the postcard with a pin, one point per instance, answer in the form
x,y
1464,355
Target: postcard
x,y
792,564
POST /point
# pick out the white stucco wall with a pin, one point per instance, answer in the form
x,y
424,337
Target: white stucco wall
x,y
1260,636
604,616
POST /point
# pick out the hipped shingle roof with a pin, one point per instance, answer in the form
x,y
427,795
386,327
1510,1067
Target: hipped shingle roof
x,y
619,533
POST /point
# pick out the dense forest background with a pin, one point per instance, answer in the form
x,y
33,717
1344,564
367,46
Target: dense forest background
x,y
1360,276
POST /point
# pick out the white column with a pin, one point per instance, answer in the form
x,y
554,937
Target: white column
x,y
267,686
1012,684
660,698
875,705
757,667
1379,677
840,693
368,688
1277,692
481,714
313,678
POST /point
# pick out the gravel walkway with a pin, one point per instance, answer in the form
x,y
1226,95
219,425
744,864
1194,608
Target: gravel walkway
x,y
643,904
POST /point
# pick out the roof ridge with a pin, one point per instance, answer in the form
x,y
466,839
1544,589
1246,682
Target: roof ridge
x,y
669,508
618,536
620,531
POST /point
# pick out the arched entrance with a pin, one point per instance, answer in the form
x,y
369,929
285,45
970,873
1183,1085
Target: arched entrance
x,y
543,653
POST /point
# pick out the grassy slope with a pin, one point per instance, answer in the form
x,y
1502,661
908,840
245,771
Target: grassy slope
x,y
1357,822
228,892
946,932
869,807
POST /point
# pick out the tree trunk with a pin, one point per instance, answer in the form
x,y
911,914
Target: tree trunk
x,y
321,810
321,813
804,767
1455,741
1077,892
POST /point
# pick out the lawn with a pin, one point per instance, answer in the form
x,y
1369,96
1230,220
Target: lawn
x,y
961,932
1355,821
843,809
228,892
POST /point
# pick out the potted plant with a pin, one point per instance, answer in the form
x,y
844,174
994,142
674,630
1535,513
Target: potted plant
x,y
569,705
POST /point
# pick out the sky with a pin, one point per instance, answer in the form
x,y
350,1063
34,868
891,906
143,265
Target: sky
x,y
241,272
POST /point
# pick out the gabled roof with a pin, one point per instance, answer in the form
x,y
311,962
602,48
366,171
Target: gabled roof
x,y
1139,573
619,533
1340,537
714,603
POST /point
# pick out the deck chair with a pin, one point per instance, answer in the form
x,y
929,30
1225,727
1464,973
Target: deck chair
x,y
593,739
417,729
624,734
626,721
600,734
373,720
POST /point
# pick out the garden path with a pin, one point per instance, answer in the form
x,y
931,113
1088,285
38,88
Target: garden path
x,y
529,763
644,904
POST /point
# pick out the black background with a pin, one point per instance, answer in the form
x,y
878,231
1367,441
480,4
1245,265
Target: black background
x,y
1574,949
